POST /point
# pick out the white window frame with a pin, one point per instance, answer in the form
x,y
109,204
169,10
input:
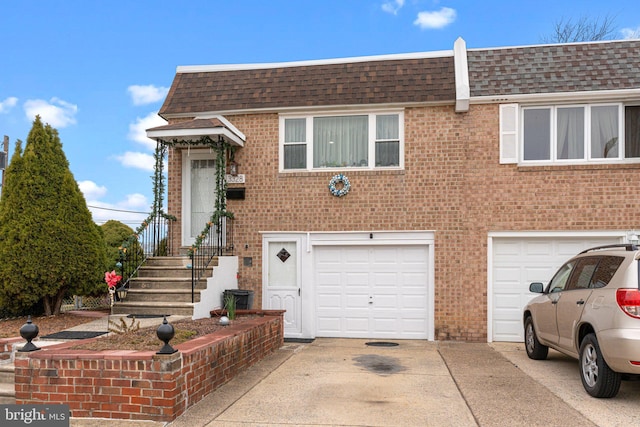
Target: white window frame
x,y
588,159
371,138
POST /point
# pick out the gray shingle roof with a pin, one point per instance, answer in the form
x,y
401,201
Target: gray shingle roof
x,y
554,68
414,80
492,72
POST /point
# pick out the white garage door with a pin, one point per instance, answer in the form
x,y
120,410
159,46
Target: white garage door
x,y
517,262
372,291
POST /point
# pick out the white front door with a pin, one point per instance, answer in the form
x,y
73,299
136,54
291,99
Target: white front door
x,y
199,193
283,282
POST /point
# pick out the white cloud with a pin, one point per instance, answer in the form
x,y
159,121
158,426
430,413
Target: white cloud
x,y
631,33
7,104
91,190
56,112
137,130
136,160
131,211
137,201
393,6
142,95
435,20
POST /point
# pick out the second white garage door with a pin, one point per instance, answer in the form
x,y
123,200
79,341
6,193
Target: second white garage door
x,y
519,261
372,291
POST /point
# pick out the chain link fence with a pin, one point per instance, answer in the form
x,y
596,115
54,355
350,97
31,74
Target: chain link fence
x,y
85,303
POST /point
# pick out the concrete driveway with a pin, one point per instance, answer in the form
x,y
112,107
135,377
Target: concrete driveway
x,y
561,375
344,382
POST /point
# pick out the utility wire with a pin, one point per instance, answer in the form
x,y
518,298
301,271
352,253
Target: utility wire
x,y
117,210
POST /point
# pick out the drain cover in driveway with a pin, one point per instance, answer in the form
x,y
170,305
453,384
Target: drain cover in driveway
x,y
381,344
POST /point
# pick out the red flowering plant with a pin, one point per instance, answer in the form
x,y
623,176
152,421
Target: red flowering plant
x,y
112,279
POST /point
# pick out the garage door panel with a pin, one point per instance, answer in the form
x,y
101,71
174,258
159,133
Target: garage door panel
x,y
385,325
356,279
356,257
414,280
327,301
382,280
519,261
328,278
414,255
510,329
539,274
537,248
329,324
385,301
507,274
384,292
414,302
356,301
356,324
385,256
504,301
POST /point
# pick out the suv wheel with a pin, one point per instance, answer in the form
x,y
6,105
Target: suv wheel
x,y
535,350
598,379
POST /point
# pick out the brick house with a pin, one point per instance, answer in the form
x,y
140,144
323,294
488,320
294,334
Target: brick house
x,y
472,173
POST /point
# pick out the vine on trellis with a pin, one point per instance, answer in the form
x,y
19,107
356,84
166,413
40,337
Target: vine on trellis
x,y
223,149
158,199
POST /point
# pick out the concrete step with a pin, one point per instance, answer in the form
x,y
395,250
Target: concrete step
x,y
155,308
158,295
167,261
7,394
164,283
161,271
179,261
7,373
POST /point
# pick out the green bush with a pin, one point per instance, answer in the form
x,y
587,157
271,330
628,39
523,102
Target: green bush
x,y
50,245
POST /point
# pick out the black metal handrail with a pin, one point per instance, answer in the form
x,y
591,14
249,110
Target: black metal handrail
x,y
215,240
152,238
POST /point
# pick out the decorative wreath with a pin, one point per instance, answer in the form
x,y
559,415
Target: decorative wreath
x,y
339,179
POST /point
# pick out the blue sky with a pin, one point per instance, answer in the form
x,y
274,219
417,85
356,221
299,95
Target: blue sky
x,y
98,71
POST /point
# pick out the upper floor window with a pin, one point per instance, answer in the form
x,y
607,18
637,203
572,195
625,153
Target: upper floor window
x,y
569,133
345,141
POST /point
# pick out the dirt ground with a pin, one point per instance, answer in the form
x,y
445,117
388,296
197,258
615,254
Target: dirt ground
x,y
122,337
48,324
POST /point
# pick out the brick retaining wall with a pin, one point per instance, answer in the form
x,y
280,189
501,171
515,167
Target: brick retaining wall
x,y
142,385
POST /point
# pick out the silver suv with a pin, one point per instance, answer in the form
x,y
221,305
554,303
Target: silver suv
x,y
590,310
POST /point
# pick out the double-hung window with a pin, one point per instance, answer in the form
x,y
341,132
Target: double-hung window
x,y
570,133
372,140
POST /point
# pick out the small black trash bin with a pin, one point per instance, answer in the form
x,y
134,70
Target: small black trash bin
x,y
243,297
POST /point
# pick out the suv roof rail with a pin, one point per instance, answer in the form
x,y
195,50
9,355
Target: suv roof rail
x,y
627,246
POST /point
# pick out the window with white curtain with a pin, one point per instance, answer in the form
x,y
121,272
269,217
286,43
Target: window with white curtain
x,y
369,140
571,133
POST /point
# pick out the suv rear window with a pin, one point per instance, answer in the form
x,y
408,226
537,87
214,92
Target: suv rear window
x,y
607,267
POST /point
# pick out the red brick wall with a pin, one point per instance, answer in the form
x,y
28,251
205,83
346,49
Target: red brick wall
x,y
452,184
143,385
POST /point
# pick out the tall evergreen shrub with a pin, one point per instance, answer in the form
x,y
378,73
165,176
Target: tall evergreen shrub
x,y
49,245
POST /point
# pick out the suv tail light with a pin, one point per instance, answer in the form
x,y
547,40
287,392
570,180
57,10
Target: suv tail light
x,y
629,301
